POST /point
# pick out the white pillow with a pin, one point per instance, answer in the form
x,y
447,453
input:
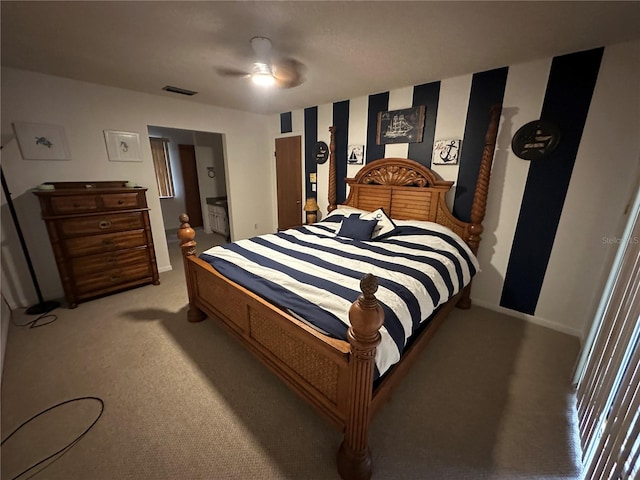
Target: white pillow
x,y
349,210
385,224
346,210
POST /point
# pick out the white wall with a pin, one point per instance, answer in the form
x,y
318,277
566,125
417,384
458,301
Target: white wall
x,y
217,186
602,182
85,110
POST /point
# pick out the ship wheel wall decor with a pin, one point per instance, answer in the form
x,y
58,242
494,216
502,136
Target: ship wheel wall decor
x,y
535,140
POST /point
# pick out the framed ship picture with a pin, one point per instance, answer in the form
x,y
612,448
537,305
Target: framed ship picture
x,y
401,126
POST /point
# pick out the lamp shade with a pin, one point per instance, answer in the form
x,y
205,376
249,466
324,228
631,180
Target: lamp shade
x,y
311,205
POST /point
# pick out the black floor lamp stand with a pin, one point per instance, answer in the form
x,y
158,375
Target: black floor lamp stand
x,y
42,306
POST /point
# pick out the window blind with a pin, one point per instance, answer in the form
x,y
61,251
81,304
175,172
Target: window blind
x,y
162,166
608,394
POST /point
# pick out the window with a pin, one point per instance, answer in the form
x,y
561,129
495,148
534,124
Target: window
x,y
609,372
162,166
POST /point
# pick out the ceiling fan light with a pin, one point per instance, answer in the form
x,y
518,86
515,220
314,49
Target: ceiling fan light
x,y
261,75
263,80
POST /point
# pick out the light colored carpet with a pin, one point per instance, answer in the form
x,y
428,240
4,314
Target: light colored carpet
x,y
488,399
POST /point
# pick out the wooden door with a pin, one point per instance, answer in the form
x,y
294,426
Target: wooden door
x,y
190,184
289,181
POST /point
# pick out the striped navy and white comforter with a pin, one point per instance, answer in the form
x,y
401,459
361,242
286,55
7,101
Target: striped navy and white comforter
x,y
315,275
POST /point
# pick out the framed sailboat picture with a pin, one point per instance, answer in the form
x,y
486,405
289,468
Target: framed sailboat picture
x,y
401,126
355,154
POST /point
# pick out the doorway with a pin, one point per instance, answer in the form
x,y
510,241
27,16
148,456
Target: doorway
x,y
192,201
198,167
289,181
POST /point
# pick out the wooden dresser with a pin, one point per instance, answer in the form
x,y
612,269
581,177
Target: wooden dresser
x,y
101,237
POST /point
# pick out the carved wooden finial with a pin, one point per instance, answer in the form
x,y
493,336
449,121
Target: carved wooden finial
x,y
366,315
186,234
369,286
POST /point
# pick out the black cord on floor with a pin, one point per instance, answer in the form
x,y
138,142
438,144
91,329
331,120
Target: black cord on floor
x,y
34,323
69,445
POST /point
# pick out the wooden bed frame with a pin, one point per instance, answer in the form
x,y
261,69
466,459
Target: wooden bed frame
x,y
334,376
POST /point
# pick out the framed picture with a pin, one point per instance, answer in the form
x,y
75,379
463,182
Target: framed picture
x,y
355,154
38,141
401,126
446,152
123,146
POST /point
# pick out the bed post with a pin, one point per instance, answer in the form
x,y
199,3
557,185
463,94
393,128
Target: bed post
x,y
479,205
366,318
186,234
332,171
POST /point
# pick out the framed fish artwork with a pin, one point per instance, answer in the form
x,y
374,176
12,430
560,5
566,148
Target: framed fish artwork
x,y
39,141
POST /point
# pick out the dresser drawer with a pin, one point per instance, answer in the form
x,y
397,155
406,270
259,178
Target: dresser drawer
x,y
111,278
77,247
101,224
112,201
98,263
74,204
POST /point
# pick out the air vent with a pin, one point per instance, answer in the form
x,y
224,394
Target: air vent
x,y
181,91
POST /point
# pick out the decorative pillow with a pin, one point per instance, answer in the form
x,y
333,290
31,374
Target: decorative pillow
x,y
385,224
356,228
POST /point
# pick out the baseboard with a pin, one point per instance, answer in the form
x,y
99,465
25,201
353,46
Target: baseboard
x,y
530,318
166,268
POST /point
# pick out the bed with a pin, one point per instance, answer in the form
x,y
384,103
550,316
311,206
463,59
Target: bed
x,y
340,371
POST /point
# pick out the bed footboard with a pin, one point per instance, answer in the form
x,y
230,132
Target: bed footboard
x,y
333,376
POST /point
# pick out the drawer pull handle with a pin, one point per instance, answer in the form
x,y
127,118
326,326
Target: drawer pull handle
x,y
104,224
120,202
112,260
114,278
108,243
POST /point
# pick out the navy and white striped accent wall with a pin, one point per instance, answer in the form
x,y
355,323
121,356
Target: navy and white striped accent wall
x,y
527,249
566,103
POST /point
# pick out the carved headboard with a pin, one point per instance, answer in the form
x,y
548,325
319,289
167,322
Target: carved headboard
x,y
406,190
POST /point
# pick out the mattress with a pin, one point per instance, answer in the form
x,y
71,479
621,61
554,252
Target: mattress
x,y
314,273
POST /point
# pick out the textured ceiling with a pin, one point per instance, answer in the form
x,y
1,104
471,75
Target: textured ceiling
x,y
350,49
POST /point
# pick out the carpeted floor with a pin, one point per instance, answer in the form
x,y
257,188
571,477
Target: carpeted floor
x,y
489,399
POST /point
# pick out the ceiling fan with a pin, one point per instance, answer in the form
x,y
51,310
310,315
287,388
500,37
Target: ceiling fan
x,y
282,72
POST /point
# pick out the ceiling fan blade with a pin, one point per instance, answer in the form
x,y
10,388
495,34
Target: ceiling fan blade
x,y
288,72
232,72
